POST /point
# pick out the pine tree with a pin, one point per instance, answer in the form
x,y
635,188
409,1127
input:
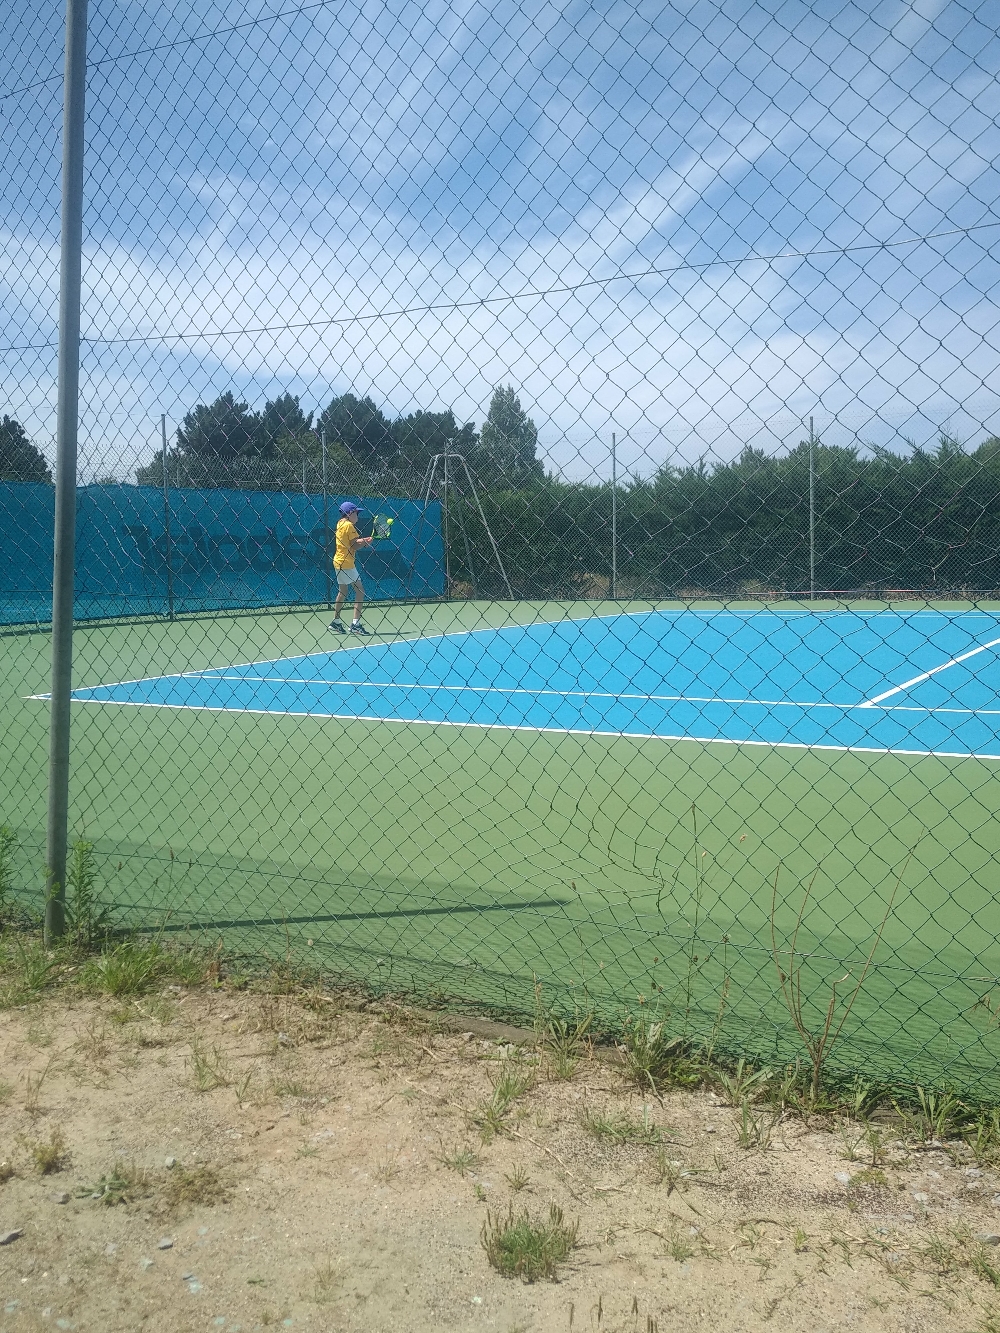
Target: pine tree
x,y
508,442
20,460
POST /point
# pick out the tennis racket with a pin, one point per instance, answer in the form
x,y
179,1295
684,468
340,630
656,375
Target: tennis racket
x,y
382,527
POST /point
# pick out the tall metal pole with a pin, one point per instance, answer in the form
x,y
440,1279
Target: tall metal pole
x,y
614,516
812,511
166,521
445,526
326,526
67,425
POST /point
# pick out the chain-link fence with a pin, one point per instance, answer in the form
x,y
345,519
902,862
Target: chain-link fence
x,y
657,347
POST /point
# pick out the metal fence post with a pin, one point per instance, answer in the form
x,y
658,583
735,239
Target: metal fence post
x,y
812,511
166,521
67,422
326,527
614,515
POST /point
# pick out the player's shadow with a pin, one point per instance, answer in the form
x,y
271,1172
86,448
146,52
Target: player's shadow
x,y
243,922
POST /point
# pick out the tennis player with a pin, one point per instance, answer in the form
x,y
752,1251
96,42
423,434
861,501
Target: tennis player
x,y
344,562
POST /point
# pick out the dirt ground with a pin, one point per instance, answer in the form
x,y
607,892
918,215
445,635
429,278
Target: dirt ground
x,y
202,1159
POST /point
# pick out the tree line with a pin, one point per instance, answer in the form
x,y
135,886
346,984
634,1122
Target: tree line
x,y
282,447
927,520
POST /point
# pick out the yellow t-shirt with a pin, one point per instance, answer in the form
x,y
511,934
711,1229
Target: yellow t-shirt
x,y
347,540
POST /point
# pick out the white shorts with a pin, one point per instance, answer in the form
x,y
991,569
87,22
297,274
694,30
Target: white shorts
x,y
345,577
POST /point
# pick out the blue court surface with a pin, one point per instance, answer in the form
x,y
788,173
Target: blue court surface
x,y
919,683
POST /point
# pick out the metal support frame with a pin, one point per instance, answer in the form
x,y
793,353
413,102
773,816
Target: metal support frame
x,y
67,426
614,516
812,510
439,463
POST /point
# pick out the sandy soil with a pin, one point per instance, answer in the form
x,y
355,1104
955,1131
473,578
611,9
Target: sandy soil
x,y
243,1162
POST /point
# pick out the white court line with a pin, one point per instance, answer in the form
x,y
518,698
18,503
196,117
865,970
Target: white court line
x,y
559,731
516,690
926,675
590,694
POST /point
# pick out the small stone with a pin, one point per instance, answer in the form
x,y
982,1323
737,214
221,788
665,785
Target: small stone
x,y
165,1244
709,1129
9,1237
145,1264
110,1249
921,1198
842,1177
170,1162
60,1197
987,1238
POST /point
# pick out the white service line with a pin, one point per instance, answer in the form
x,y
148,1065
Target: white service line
x,y
926,675
564,731
383,685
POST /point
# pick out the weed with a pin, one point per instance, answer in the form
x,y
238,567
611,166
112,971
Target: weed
x,y
742,1082
125,1184
654,1060
325,1282
800,1241
982,1137
619,1127
756,1127
563,1041
33,1088
130,967
479,1192
671,1173
517,1246
199,1184
6,1091
870,1178
49,1156
7,1171
819,1043
37,969
8,846
937,1115
387,1166
679,1247
87,921
307,1150
982,1267
291,1086
209,1068
518,1179
789,1090
510,1082
462,1160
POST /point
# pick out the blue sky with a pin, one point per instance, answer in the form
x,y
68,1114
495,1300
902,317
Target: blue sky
x,y
354,160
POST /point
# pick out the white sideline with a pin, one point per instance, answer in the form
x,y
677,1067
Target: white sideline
x,y
926,675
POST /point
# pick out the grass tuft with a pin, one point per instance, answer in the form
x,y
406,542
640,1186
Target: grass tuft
x,y
126,1183
199,1184
619,1127
130,967
49,1156
517,1246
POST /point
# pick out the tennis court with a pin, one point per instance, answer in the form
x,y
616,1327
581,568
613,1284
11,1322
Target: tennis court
x,y
483,795
920,684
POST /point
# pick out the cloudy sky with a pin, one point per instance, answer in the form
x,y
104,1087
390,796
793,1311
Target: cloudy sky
x,y
694,224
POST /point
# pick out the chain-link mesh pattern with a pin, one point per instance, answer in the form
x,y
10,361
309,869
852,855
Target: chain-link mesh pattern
x,y
659,348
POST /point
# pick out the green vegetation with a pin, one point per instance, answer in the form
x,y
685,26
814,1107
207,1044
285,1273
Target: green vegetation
x,y
517,1246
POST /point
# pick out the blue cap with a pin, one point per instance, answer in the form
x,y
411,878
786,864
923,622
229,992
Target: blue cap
x,y
349,507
